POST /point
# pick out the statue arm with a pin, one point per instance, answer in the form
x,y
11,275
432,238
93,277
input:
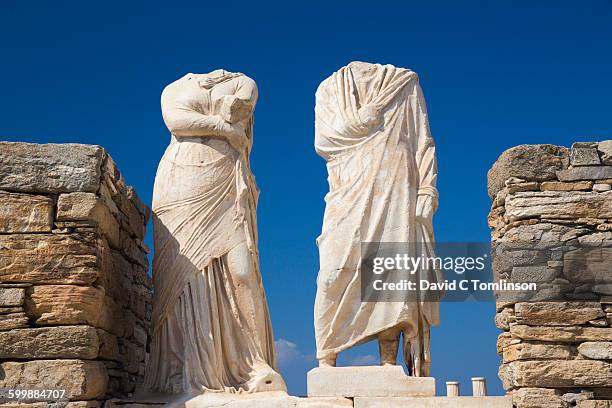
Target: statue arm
x,y
427,201
184,121
239,106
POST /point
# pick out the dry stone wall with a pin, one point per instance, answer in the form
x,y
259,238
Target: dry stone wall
x,y
551,223
75,295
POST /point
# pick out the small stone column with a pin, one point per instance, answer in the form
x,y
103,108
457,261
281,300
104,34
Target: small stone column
x,y
452,388
479,387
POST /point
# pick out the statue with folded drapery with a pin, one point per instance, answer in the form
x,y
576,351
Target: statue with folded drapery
x,y
371,127
211,327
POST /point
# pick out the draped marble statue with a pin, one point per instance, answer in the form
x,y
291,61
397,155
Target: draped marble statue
x,y
211,326
371,127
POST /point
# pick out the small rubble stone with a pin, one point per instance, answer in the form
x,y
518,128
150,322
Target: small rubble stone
x,y
12,296
584,156
599,350
601,187
605,151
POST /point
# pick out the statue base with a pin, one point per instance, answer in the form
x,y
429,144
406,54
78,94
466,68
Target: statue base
x,y
367,381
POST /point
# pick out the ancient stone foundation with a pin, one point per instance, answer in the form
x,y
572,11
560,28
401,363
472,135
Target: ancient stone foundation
x,y
75,295
552,225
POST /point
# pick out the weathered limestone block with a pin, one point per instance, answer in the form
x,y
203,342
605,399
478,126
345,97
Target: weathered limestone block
x,y
559,205
109,347
12,296
571,334
13,321
531,351
562,186
598,350
65,304
50,342
50,168
504,318
605,151
537,398
25,213
584,155
557,313
528,162
81,379
594,404
556,374
588,265
48,258
88,207
256,400
585,173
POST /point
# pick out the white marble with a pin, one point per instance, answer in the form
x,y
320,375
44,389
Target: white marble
x,y
371,127
211,327
367,381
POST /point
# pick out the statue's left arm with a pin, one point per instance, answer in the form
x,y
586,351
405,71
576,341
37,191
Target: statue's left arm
x,y
240,105
427,201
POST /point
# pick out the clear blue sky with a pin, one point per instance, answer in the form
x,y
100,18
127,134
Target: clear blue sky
x,y
495,74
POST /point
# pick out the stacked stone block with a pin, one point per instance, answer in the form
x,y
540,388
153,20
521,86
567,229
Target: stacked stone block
x,y
75,295
551,223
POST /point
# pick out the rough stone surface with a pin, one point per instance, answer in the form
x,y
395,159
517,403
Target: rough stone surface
x,y
81,379
529,351
528,162
598,350
561,205
50,168
605,151
73,272
50,342
537,398
88,207
585,173
557,313
556,374
594,404
571,334
584,156
48,258
65,304
25,213
12,297
557,342
367,381
13,321
561,186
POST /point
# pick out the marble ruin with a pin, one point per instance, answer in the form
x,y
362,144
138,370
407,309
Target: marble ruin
x,y
211,326
371,127
79,312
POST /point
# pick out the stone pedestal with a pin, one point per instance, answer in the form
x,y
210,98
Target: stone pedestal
x,y
367,381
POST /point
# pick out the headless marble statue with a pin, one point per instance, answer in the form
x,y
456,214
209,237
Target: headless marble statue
x,y
371,127
211,326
